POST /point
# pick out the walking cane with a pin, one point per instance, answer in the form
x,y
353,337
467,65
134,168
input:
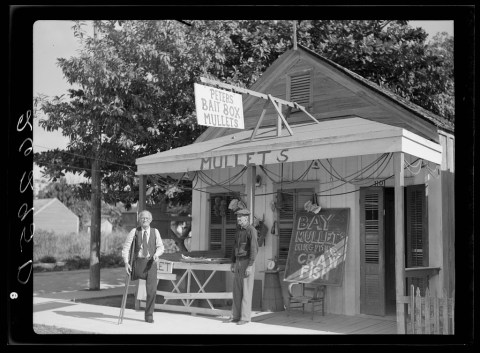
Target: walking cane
x,y
127,283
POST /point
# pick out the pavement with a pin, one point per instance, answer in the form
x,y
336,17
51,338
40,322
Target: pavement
x,y
55,303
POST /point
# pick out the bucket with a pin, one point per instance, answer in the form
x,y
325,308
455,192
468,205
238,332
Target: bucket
x,y
272,293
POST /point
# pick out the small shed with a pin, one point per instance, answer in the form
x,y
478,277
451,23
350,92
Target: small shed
x,y
105,225
53,216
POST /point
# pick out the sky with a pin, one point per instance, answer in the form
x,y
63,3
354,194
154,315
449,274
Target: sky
x,y
55,39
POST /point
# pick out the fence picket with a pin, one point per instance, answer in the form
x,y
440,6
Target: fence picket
x,y
445,312
427,311
452,306
412,308
418,310
436,316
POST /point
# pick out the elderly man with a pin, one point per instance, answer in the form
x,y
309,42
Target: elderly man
x,y
148,247
245,250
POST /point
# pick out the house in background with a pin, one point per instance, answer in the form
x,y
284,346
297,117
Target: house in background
x,y
53,216
105,225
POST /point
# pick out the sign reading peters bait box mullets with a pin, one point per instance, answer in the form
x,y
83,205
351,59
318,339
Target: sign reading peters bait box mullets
x,y
318,247
218,108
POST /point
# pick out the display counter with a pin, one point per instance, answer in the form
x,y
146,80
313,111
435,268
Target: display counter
x,y
197,287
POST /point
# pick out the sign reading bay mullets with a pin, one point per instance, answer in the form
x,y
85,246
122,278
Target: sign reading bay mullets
x,y
219,108
318,247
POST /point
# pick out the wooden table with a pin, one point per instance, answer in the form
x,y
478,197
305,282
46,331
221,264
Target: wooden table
x,y
190,294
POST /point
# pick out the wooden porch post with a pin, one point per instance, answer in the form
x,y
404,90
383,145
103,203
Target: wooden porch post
x,y
142,183
251,176
398,160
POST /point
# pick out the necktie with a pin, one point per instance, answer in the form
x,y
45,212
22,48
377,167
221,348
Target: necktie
x,y
145,244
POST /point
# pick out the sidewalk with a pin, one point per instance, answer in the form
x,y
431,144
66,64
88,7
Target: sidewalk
x,y
55,295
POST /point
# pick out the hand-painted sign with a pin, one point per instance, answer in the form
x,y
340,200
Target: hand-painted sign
x,y
218,108
251,158
318,247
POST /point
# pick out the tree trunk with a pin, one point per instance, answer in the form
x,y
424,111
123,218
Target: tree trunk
x,y
95,227
95,230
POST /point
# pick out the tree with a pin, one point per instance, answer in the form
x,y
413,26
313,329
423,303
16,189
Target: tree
x,y
132,90
63,191
390,53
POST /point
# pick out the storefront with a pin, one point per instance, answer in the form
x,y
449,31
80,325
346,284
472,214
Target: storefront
x,y
355,147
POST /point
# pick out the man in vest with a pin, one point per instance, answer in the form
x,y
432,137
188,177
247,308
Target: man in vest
x,y
245,251
148,247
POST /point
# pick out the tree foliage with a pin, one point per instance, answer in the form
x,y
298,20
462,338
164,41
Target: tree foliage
x,y
61,190
392,54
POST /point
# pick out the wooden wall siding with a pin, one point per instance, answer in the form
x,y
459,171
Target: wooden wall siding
x,y
56,218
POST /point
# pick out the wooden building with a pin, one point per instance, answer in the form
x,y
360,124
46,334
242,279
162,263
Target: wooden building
x,y
388,161
53,216
106,227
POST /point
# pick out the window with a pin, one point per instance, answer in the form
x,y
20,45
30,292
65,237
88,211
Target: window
x,y
223,223
288,203
300,89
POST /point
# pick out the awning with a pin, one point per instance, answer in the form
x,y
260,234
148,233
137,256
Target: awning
x,y
328,139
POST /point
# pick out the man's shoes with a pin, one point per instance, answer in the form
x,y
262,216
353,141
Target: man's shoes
x,y
242,322
231,319
149,320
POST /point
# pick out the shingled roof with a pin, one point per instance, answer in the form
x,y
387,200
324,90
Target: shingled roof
x,y
424,114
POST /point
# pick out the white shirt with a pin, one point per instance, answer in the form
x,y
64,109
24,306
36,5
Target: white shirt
x,y
128,242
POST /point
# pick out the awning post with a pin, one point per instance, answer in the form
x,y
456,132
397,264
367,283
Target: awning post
x,y
142,183
251,176
398,161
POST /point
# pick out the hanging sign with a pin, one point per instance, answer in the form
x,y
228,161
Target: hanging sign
x,y
219,108
318,247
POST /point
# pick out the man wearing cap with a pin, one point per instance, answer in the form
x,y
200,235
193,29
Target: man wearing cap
x,y
245,250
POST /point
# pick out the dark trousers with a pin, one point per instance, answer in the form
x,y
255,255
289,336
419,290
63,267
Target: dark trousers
x,y
242,291
151,287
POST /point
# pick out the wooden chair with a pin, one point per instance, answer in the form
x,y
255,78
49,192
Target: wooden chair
x,y
313,294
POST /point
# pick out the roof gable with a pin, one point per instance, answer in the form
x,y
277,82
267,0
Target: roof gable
x,y
41,205
337,92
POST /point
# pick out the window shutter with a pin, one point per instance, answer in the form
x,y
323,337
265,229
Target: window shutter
x,y
222,229
292,200
417,241
372,272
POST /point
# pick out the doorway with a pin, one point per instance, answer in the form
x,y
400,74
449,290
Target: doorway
x,y
377,251
390,294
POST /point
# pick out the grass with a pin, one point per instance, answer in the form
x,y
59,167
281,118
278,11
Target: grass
x,y
73,250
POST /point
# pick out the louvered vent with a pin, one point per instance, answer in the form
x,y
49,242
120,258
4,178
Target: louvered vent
x,y
372,296
300,89
285,235
371,229
215,239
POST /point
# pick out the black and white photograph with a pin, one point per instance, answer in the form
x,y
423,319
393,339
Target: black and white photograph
x,y
241,177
